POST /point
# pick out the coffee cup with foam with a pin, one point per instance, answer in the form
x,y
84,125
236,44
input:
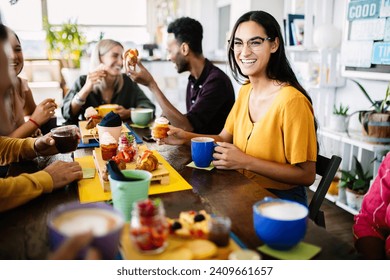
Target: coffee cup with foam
x,y
280,224
71,219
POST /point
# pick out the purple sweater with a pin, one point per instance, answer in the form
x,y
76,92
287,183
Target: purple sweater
x,y
209,100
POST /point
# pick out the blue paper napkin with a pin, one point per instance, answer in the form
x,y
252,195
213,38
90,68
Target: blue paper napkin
x,y
92,144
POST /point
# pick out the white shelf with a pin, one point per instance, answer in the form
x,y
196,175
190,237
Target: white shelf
x,y
348,145
354,138
347,208
334,199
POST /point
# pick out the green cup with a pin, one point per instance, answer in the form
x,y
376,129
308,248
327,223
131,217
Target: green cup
x,y
125,193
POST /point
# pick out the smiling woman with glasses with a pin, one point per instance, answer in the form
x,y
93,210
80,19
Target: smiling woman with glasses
x,y
270,133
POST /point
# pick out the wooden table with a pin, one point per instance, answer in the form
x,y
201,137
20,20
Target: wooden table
x,y
23,233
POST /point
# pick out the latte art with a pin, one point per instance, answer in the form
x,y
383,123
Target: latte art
x,y
283,211
77,221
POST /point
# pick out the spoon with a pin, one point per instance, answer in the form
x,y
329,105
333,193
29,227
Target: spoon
x,y
117,174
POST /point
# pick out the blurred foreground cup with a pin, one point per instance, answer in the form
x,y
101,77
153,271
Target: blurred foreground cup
x,y
72,219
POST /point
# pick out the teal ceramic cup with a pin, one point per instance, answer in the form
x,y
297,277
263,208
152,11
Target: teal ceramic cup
x,y
141,116
202,149
125,193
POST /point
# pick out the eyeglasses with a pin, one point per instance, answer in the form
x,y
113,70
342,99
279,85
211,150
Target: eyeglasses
x,y
253,44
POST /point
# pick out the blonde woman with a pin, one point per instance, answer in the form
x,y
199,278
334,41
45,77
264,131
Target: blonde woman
x,y
104,84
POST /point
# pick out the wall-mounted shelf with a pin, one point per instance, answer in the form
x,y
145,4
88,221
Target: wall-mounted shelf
x,y
337,202
347,146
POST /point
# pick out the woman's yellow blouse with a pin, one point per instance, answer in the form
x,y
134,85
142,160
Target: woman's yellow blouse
x,y
285,134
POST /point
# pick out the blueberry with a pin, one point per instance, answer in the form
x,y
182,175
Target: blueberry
x,y
199,218
176,225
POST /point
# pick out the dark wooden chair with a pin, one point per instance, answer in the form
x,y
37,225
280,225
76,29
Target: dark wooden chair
x,y
327,169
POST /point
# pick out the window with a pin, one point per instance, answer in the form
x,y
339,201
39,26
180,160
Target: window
x,y
23,16
121,20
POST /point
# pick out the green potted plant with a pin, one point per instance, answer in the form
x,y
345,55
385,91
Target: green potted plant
x,y
66,43
338,120
356,183
376,122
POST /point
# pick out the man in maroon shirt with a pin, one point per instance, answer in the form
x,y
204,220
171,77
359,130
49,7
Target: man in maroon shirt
x,y
210,93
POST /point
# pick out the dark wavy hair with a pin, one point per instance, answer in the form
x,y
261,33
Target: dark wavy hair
x,y
3,32
188,30
278,67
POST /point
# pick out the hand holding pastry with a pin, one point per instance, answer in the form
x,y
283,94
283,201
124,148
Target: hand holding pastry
x,y
95,77
131,57
44,111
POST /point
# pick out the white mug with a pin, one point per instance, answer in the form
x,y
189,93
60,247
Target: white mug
x,y
115,131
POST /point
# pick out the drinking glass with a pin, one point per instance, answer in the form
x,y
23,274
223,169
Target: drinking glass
x,y
66,138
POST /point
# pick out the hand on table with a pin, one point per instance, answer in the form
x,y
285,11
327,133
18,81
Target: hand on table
x,y
64,173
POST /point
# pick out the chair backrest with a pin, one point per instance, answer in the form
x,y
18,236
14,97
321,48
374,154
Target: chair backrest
x,y
327,169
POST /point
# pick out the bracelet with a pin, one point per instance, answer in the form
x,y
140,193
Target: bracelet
x,y
78,100
34,122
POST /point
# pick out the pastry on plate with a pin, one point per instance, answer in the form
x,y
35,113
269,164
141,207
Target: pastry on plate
x,y
92,117
147,161
190,224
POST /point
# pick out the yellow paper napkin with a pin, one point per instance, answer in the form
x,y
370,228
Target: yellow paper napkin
x,y
88,173
192,164
91,190
302,251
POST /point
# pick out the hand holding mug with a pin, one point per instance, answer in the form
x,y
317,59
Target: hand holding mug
x,y
228,156
73,245
122,112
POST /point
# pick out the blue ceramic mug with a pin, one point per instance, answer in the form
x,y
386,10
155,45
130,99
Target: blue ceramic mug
x,y
279,223
202,149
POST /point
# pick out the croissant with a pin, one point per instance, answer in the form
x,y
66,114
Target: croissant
x,y
147,161
131,55
92,122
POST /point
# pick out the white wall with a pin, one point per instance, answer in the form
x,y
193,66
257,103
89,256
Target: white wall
x,y
350,94
206,11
